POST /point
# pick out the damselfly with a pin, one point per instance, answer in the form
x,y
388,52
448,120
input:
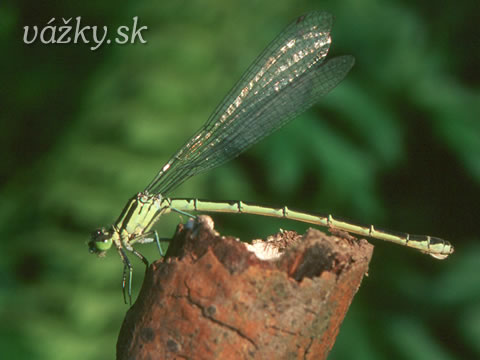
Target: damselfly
x,y
288,77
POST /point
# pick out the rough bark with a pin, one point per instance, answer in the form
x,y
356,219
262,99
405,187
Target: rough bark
x,y
214,297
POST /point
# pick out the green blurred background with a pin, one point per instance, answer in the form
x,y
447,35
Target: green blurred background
x,y
397,144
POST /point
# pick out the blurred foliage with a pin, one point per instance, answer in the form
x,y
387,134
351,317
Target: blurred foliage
x,y
396,144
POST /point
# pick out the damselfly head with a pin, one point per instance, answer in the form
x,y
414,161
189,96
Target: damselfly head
x,y
101,241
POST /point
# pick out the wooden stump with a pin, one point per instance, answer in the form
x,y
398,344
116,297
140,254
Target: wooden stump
x,y
214,297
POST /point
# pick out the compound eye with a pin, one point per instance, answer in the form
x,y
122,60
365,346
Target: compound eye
x,y
101,234
101,240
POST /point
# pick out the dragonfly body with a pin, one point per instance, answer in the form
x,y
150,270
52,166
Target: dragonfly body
x,y
288,77
144,210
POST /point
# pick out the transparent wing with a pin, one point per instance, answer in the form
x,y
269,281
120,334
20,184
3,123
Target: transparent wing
x,y
287,78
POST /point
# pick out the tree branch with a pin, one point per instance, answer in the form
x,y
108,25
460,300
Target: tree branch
x,y
215,297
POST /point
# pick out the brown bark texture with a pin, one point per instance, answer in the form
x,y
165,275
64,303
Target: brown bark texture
x,y
214,297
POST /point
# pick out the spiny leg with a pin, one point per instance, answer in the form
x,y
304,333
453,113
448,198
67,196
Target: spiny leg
x,y
144,260
126,265
183,213
157,240
140,256
144,239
